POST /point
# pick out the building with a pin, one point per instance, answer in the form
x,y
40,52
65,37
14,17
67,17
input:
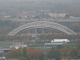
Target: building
x,y
60,41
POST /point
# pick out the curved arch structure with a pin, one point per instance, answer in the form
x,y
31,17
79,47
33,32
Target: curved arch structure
x,y
43,24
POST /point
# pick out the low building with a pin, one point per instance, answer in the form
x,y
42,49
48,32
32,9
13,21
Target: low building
x,y
59,40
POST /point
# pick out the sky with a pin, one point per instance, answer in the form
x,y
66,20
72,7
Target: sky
x,y
63,1
23,2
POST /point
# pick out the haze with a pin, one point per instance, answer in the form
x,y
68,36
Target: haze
x,y
41,4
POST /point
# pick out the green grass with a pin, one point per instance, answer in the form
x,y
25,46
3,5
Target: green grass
x,y
36,44
5,44
70,44
42,44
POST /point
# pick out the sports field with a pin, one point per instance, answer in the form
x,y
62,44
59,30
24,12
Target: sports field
x,y
5,44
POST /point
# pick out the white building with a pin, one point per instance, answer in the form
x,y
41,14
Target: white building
x,y
51,14
59,15
60,40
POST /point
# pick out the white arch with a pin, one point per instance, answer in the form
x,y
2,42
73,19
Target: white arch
x,y
42,24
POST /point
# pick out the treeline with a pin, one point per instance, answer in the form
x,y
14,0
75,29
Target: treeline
x,y
7,26
75,13
15,37
57,53
58,36
39,37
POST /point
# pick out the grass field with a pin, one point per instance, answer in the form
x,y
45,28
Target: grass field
x,y
43,44
8,44
5,44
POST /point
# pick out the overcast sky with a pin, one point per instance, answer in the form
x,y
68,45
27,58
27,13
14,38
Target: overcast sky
x,y
42,0
45,0
13,2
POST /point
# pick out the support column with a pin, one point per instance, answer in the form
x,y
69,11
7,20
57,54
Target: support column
x,y
43,31
36,31
28,32
50,30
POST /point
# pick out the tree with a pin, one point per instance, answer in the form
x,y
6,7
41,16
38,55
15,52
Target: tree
x,y
75,13
78,54
78,46
31,53
35,54
67,16
73,53
22,58
54,53
65,52
12,54
40,55
17,53
24,52
75,27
